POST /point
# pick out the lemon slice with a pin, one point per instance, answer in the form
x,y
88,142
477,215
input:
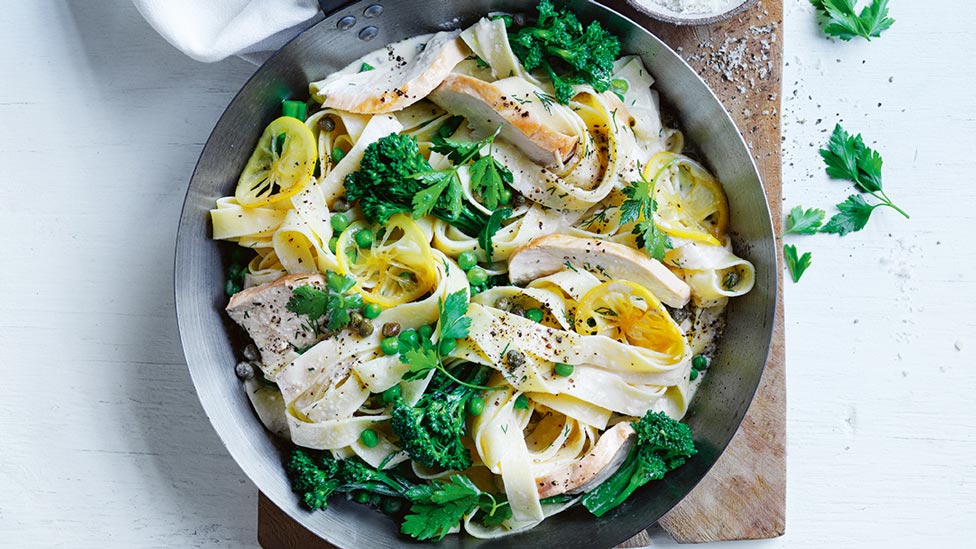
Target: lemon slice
x,y
629,313
281,164
398,267
690,202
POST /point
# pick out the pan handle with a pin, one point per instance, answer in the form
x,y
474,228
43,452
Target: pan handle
x,y
329,7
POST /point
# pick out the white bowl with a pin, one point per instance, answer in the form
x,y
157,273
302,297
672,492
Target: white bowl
x,y
667,10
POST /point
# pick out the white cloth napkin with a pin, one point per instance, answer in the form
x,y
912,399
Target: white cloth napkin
x,y
211,30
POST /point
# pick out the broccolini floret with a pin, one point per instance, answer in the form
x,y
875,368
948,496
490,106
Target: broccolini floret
x,y
317,476
431,431
558,37
393,172
662,445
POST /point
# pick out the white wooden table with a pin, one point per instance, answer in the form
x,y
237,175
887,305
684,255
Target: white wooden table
x,y
103,443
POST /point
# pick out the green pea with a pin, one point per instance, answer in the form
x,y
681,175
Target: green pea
x,y
477,276
700,362
563,370
390,395
505,196
694,375
339,222
390,346
369,438
619,86
522,403
535,315
476,406
333,243
372,310
425,331
231,287
360,496
408,338
338,154
364,238
392,505
467,260
448,345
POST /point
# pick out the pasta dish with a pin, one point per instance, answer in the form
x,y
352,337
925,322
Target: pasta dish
x,y
480,278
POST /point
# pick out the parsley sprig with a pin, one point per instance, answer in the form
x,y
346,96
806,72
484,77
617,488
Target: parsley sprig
x,y
440,506
640,207
841,20
331,305
426,354
847,157
488,176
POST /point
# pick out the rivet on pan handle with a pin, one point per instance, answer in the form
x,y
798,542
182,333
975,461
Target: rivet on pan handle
x,y
347,22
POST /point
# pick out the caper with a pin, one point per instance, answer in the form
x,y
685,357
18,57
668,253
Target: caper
x,y
518,199
731,280
340,205
244,370
391,329
355,320
514,358
504,304
517,310
251,352
365,328
326,123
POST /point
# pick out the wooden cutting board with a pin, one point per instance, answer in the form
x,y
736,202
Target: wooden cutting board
x,y
744,495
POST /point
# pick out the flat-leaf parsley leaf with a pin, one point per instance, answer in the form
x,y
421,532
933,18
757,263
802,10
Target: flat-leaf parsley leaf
x,y
802,221
842,21
640,207
796,264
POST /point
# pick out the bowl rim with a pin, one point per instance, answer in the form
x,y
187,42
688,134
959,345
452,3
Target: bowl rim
x,y
670,17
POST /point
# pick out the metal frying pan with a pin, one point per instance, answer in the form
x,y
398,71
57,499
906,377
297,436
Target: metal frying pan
x,y
344,35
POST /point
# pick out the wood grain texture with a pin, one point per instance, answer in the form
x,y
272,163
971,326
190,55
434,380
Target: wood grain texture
x,y
744,495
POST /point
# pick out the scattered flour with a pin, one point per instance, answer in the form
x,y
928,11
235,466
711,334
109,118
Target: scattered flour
x,y
693,7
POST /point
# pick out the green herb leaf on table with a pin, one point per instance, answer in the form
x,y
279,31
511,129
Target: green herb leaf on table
x,y
843,21
847,157
853,216
802,221
796,264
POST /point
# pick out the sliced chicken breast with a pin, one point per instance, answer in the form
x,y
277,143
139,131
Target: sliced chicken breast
x,y
277,332
603,460
607,260
486,105
407,77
